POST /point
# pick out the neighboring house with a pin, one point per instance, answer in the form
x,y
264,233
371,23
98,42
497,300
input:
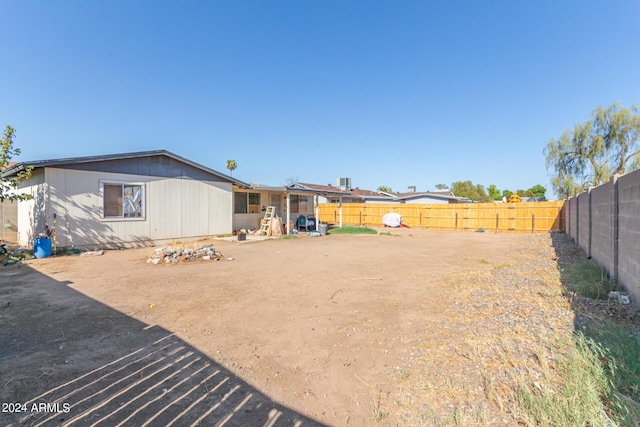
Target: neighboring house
x,y
429,197
347,195
125,200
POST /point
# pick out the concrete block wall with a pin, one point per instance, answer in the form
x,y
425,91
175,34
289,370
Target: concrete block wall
x,y
584,222
602,230
571,218
629,232
605,222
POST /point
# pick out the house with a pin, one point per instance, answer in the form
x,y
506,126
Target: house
x,y
428,197
126,200
290,201
346,194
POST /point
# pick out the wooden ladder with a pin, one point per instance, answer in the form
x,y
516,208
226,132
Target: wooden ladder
x,y
265,223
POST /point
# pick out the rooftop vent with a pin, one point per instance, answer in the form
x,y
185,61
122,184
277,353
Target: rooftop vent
x,y
411,189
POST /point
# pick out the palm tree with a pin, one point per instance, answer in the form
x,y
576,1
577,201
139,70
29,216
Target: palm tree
x,y
231,165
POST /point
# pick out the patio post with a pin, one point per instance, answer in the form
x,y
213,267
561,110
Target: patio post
x,y
315,201
288,212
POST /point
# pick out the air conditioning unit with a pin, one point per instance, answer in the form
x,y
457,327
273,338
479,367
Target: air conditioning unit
x,y
411,189
344,184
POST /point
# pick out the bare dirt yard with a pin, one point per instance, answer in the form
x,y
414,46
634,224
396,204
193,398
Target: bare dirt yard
x,y
413,328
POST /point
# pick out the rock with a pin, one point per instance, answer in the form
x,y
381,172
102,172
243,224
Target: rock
x,y
92,253
230,258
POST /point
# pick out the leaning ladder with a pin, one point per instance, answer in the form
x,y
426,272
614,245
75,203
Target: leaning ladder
x,y
265,223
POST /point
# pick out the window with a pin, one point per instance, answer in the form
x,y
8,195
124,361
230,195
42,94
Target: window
x,y
299,204
246,203
120,200
254,202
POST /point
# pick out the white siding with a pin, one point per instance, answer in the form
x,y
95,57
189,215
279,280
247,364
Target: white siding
x,y
31,215
175,208
429,200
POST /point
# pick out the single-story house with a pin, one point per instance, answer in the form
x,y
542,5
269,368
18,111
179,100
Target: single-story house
x,y
290,201
335,194
427,197
125,200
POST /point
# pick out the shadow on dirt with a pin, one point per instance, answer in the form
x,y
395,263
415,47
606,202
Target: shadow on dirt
x,y
66,359
589,293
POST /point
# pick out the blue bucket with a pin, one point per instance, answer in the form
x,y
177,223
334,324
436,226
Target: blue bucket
x,y
42,247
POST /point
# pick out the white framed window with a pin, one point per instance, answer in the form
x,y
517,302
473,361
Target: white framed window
x,y
122,200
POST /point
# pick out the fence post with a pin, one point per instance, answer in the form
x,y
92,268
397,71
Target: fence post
x,y
533,223
456,221
360,220
497,218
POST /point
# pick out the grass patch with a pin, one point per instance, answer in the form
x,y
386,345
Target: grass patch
x,y
573,391
289,236
586,279
350,229
622,357
591,378
585,383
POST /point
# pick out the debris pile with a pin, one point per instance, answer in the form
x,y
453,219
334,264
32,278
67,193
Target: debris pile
x,y
14,257
169,255
247,231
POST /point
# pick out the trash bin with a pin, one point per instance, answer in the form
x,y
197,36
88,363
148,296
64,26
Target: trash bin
x,y
242,237
322,228
42,247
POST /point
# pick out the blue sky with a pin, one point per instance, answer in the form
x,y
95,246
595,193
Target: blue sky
x,y
393,93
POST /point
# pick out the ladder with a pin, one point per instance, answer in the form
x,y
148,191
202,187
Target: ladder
x,y
265,223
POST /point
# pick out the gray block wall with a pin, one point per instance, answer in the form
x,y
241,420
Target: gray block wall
x,y
572,217
629,232
584,221
605,222
602,231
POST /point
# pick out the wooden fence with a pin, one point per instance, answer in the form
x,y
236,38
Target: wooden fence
x,y
537,217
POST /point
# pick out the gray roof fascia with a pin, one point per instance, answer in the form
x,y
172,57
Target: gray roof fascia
x,y
267,188
380,198
430,195
301,189
18,167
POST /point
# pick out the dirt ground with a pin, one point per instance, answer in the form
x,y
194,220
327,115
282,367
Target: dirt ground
x,y
401,329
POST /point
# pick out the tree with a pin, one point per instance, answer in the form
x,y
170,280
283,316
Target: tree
x,y
385,189
589,154
231,165
442,187
506,194
470,191
537,191
494,193
7,185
